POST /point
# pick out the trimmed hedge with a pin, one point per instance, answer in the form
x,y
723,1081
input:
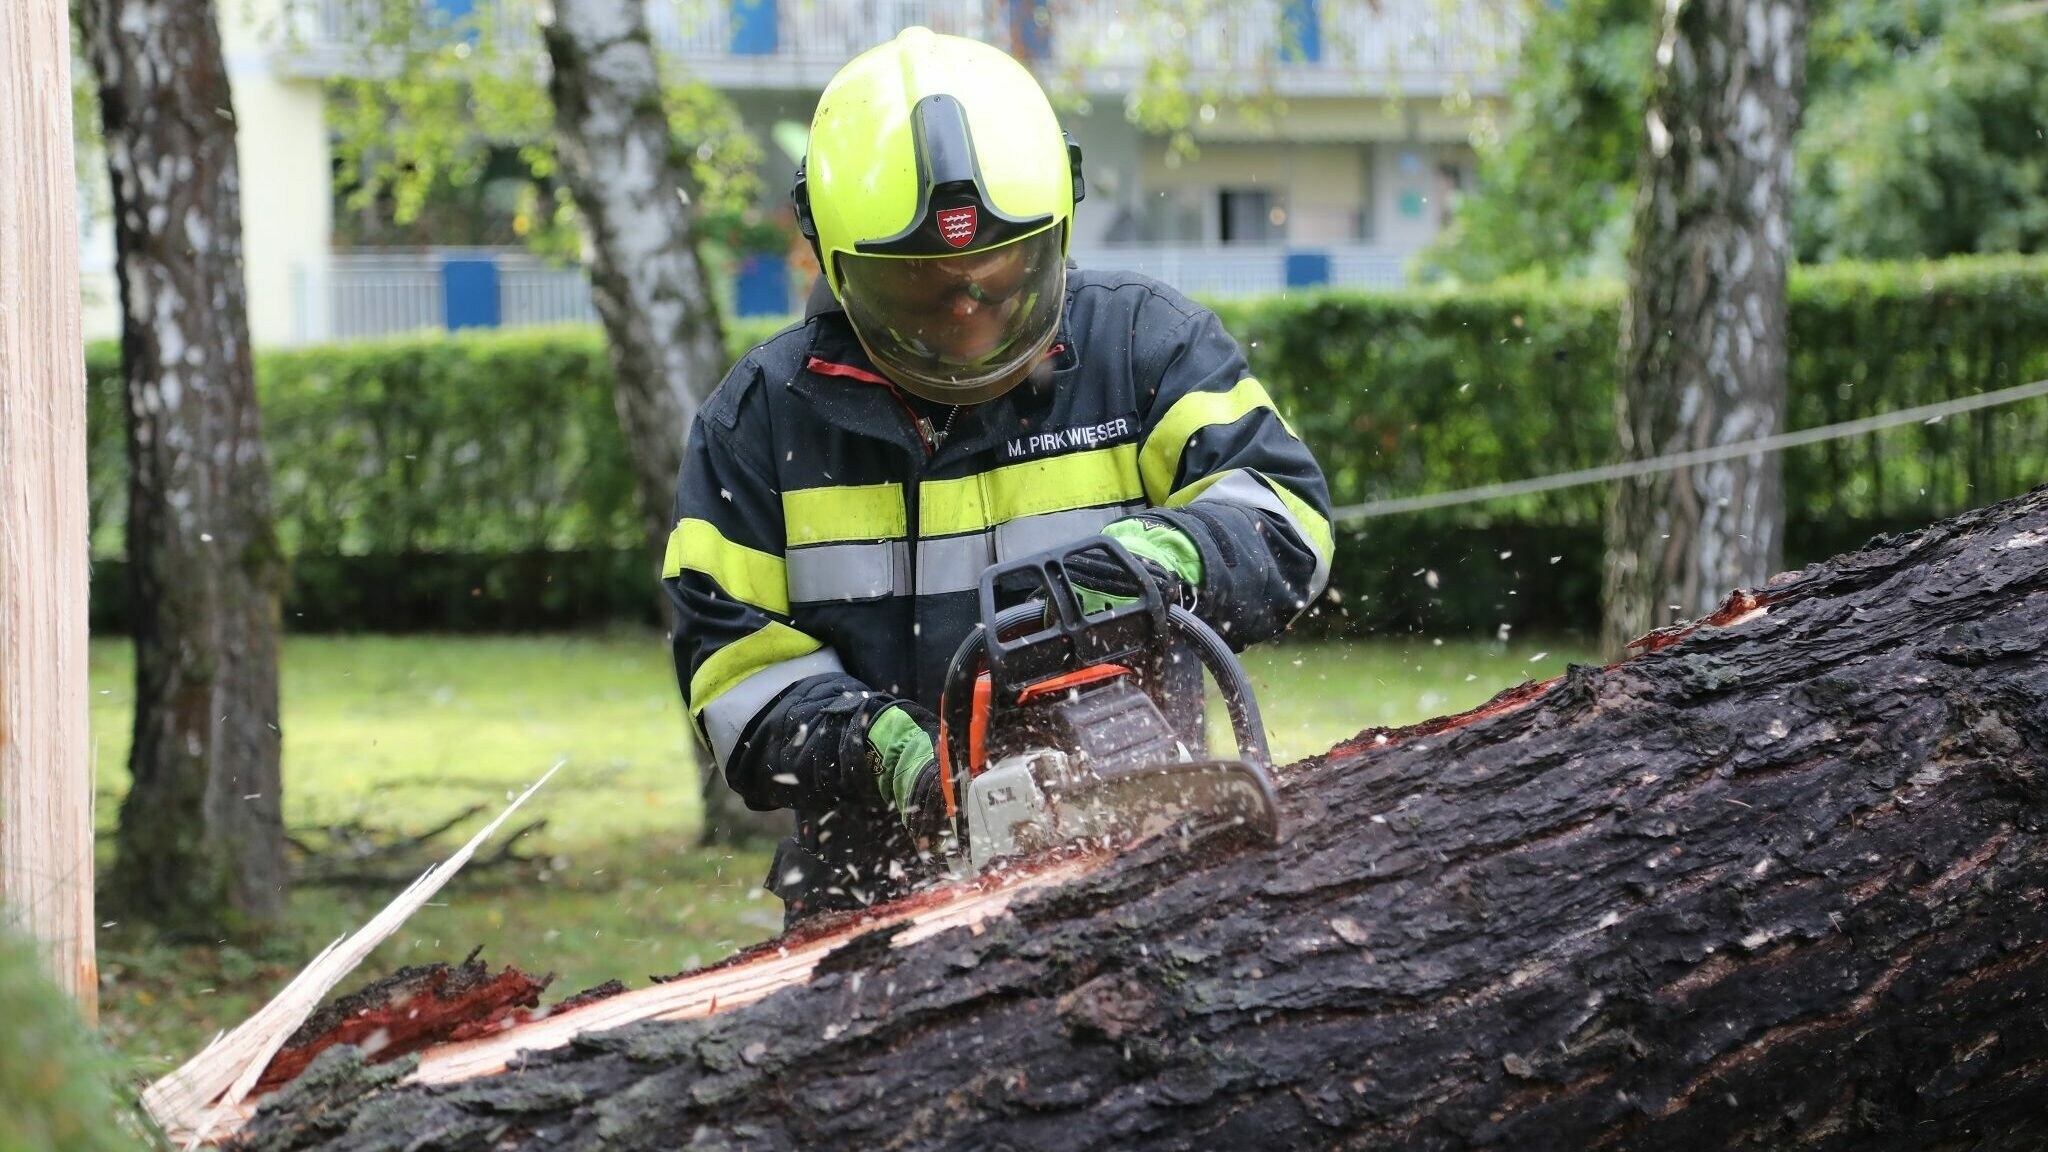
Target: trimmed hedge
x,y
479,480
1413,393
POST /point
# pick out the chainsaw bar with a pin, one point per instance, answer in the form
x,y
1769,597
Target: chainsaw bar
x,y
1200,794
1039,801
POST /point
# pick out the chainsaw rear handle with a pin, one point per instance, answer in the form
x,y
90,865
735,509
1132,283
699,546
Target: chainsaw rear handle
x,y
1069,638
1139,634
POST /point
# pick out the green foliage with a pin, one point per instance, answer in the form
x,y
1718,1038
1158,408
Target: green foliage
x,y
1407,394
1923,134
454,125
56,1084
480,481
1922,137
1557,172
475,481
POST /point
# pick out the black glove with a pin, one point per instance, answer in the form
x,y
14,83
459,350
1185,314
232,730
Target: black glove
x,y
926,816
900,759
1159,548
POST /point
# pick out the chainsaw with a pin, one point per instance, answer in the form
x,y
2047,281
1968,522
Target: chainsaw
x,y
1051,725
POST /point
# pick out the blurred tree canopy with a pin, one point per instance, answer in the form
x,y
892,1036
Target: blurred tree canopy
x,y
450,140
1923,137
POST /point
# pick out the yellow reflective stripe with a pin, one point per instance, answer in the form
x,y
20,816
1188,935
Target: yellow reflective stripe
x,y
1314,525
845,513
746,574
1159,462
742,658
1033,488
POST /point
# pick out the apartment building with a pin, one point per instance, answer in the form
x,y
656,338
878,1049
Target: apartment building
x,y
1331,138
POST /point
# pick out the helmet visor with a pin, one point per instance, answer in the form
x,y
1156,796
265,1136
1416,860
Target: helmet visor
x,y
958,329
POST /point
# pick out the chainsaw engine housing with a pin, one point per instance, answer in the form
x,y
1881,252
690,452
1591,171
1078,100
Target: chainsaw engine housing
x,y
1062,738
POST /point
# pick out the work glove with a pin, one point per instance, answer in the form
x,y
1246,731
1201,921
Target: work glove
x,y
904,760
1167,555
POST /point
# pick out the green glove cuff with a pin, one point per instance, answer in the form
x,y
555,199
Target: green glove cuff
x,y
900,749
1163,544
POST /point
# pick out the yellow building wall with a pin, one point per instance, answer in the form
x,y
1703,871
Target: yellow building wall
x,y
287,177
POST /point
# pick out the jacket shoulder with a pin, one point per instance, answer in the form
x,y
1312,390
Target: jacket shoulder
x,y
766,366
1132,293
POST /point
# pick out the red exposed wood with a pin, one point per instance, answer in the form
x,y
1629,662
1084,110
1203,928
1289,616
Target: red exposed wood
x,y
1507,700
413,1008
1740,605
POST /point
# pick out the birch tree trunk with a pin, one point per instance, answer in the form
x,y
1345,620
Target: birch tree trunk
x,y
1703,325
652,293
201,840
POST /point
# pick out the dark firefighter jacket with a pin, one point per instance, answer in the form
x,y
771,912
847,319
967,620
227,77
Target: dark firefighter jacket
x,y
826,556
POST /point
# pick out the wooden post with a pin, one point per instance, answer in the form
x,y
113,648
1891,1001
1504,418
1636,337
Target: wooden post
x,y
46,866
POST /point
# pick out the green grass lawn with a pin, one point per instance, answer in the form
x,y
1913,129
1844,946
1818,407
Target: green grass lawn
x,y
401,733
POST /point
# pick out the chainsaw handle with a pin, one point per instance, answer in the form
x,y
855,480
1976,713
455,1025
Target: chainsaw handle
x,y
1246,724
1066,638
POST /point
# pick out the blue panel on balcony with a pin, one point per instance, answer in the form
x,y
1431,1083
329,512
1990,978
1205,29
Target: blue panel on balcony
x,y
469,293
454,13
762,286
753,27
1307,269
1301,32
1031,29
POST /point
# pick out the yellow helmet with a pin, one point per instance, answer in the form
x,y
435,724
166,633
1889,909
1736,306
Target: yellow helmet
x,y
939,194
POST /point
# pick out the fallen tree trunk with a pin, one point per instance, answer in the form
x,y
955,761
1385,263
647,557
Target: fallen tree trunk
x,y
1777,882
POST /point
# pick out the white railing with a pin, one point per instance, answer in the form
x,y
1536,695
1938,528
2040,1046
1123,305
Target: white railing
x,y
1360,41
359,295
828,30
1363,266
372,295
363,294
1246,269
1385,40
533,292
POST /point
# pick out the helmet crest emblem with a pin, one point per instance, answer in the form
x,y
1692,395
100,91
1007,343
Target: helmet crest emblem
x,y
957,225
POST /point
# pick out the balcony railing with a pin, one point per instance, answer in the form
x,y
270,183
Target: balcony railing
x,y
359,295
1290,44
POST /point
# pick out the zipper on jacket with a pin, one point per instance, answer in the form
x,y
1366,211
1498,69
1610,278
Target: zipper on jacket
x,y
918,425
923,428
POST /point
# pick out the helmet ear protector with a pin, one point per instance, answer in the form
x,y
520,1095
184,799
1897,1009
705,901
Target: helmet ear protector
x,y
943,159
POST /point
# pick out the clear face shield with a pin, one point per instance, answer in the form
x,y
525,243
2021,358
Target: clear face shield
x,y
958,329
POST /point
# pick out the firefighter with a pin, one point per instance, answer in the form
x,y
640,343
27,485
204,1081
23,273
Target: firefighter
x,y
958,394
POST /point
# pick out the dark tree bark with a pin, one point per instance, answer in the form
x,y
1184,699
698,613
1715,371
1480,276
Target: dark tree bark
x,y
1703,324
1777,882
201,841
652,293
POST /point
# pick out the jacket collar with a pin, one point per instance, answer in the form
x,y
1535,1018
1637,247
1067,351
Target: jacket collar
x,y
844,387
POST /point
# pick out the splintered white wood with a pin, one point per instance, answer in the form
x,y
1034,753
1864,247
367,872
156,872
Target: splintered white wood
x,y
202,1098
45,760
705,993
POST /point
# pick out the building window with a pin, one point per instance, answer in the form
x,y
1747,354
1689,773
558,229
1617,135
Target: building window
x,y
1250,216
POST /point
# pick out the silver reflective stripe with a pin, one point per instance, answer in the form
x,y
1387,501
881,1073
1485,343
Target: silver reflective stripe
x,y
848,571
1029,534
726,718
953,563
836,572
1248,489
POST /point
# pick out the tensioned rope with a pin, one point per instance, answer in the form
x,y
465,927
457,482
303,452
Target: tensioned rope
x,y
1924,414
